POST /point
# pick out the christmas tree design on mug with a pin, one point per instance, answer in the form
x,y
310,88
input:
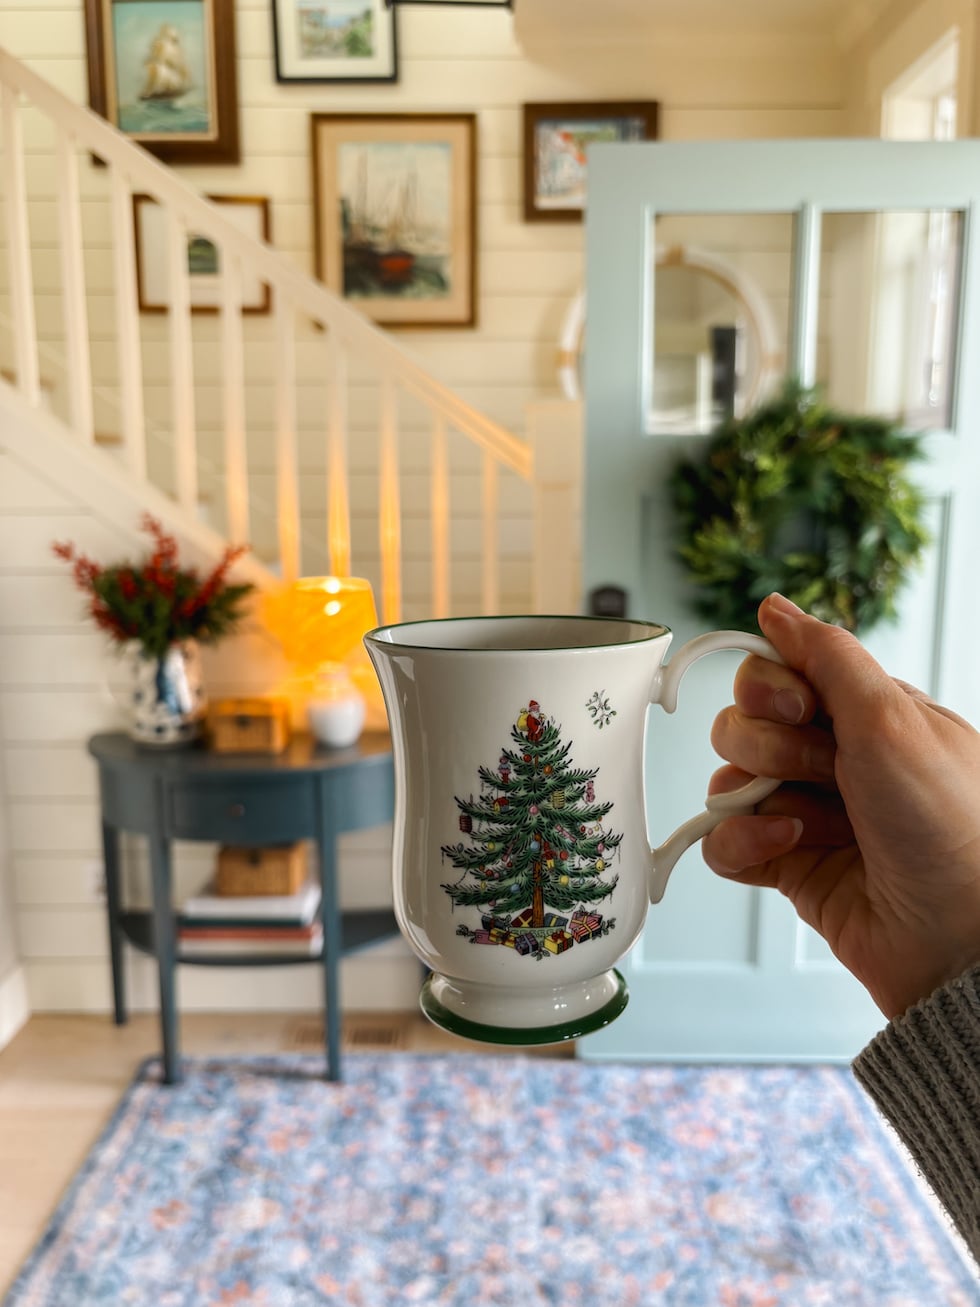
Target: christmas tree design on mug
x,y
538,856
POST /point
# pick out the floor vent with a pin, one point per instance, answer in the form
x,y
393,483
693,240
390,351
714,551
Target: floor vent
x,y
358,1034
307,1036
303,1037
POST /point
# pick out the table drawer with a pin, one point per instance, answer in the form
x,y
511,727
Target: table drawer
x,y
247,812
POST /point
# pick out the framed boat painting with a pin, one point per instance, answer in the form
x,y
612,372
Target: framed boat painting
x,y
395,214
164,72
556,137
335,41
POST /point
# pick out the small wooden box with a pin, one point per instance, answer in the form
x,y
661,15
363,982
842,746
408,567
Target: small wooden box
x,y
276,869
255,725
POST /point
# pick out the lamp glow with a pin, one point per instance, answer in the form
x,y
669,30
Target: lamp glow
x,y
320,621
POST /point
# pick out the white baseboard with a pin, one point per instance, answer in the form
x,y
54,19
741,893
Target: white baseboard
x,y
14,1005
385,978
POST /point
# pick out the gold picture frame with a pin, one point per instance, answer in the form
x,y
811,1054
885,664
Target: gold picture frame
x,y
394,201
250,212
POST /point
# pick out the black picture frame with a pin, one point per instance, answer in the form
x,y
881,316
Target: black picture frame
x,y
345,56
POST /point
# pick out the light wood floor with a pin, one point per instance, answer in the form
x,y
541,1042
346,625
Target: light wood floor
x,y
61,1077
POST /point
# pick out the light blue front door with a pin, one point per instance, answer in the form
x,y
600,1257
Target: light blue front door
x,y
725,972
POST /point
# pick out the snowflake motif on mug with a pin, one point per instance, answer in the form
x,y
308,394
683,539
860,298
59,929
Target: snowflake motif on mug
x,y
599,708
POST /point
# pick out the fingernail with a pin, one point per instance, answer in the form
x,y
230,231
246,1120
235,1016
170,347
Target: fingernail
x,y
789,705
784,605
783,830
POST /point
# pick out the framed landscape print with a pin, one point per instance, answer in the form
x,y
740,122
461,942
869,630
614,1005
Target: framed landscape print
x,y
250,212
555,141
395,214
164,72
335,41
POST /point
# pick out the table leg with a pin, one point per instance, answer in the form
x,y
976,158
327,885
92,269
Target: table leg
x,y
332,946
113,898
165,946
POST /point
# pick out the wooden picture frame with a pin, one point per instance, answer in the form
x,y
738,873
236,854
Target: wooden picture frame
x,y
335,41
165,73
250,212
394,203
555,139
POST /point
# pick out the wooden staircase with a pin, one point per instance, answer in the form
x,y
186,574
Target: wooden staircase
x,y
310,433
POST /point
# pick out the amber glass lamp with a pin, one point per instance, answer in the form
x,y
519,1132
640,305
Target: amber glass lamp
x,y
320,622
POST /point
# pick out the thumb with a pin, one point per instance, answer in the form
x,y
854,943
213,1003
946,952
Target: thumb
x,y
849,682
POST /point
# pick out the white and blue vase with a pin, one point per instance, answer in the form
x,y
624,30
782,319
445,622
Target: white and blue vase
x,y
166,702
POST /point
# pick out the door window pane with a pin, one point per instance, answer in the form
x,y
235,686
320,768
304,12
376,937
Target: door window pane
x,y
888,302
721,289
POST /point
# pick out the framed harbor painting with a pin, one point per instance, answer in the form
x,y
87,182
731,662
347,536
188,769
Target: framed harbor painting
x,y
249,212
335,41
395,214
164,72
556,137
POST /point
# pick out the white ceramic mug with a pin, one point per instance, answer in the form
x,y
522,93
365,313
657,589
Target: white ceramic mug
x,y
522,869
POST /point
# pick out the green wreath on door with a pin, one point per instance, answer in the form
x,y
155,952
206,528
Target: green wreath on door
x,y
800,498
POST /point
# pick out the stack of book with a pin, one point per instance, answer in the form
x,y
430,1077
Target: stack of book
x,y
284,924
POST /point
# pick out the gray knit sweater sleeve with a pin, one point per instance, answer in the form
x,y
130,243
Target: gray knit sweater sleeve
x,y
923,1071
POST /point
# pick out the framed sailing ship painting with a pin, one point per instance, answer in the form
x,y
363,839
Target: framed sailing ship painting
x,y
335,41
395,214
164,72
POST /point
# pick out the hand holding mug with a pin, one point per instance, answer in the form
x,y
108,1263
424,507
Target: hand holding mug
x,y
875,834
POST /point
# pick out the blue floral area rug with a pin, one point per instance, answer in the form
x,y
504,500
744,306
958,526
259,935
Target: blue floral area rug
x,y
496,1180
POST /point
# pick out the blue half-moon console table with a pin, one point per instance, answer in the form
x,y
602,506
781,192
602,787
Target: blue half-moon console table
x,y
306,792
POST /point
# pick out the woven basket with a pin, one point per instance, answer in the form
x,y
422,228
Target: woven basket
x,y
277,869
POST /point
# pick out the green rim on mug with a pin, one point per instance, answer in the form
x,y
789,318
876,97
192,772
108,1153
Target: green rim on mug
x,y
651,631
440,1015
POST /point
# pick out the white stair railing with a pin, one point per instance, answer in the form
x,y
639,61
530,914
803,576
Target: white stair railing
x,y
335,335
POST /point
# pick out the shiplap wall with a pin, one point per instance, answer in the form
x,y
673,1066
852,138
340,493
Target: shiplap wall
x,y
52,667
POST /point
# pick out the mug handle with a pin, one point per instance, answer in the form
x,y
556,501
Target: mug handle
x,y
718,806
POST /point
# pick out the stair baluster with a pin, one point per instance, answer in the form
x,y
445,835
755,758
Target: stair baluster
x,y
287,457
79,364
128,352
233,397
439,510
338,483
182,414
389,508
19,249
491,517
